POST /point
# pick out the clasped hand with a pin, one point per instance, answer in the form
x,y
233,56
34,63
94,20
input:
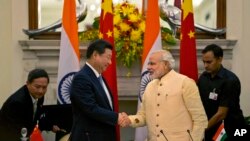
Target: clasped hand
x,y
123,119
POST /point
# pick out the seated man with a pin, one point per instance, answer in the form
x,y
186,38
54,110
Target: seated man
x,y
23,109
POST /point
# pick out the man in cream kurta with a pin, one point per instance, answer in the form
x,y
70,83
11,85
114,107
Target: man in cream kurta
x,y
171,105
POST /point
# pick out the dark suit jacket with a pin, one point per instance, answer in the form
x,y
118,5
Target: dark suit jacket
x,y
93,118
17,112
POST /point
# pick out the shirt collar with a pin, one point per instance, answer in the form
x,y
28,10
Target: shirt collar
x,y
219,74
33,99
167,75
94,70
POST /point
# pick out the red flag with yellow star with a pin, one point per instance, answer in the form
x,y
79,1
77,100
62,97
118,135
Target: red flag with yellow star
x,y
36,135
106,32
188,58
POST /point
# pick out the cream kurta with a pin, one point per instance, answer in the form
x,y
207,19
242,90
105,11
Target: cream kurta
x,y
172,104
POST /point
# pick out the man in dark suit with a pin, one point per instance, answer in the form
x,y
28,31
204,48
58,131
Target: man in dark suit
x,y
23,109
93,116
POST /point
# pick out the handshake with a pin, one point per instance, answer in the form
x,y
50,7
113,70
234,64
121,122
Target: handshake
x,y
123,119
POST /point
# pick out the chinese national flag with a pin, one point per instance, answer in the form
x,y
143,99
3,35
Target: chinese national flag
x,y
106,33
188,58
36,135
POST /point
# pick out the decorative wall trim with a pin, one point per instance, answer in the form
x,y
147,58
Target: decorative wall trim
x,y
45,54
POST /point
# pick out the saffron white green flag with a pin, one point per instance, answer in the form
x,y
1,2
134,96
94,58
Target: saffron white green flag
x,y
69,52
152,42
220,134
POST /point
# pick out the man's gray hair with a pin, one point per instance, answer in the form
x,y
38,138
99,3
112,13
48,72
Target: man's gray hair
x,y
167,56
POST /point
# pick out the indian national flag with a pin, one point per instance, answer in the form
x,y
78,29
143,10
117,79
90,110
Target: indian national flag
x,y
152,42
69,52
220,134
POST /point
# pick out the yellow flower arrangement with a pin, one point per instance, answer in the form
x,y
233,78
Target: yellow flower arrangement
x,y
129,28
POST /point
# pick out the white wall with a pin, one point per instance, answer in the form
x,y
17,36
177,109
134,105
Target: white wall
x,y
246,57
238,28
5,49
14,17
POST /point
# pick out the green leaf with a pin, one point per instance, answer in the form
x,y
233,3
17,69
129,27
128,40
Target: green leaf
x,y
166,30
96,23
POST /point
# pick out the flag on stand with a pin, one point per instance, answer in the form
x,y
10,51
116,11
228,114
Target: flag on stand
x,y
106,33
188,58
69,57
220,134
36,135
152,42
